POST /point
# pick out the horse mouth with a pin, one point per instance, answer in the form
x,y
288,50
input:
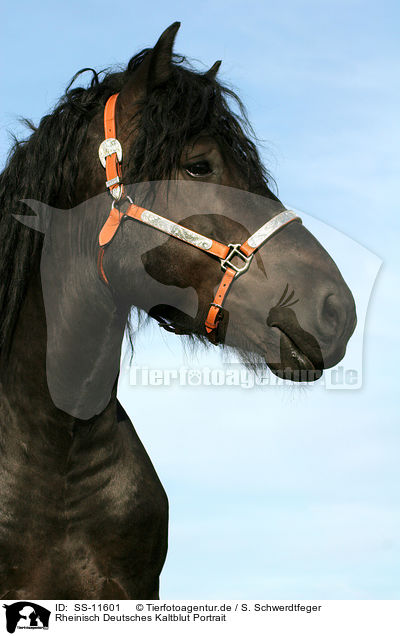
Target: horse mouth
x,y
299,362
172,319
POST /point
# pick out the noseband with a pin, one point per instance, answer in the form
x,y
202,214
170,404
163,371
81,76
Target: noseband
x,y
110,154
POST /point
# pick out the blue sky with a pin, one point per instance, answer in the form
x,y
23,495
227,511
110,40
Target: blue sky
x,y
302,500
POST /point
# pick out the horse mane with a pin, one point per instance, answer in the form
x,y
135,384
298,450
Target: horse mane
x,y
44,167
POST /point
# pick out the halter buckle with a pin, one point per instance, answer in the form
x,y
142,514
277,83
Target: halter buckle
x,y
235,251
109,147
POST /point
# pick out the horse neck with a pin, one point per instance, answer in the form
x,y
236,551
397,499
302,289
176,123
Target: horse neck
x,y
30,423
28,412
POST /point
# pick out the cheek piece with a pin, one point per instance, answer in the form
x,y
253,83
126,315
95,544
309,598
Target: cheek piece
x,y
110,155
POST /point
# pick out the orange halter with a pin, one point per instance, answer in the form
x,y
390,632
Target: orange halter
x,y
110,154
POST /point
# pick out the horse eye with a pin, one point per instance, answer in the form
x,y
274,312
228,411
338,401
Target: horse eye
x,y
199,169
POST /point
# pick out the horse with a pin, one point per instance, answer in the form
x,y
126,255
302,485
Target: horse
x,y
83,513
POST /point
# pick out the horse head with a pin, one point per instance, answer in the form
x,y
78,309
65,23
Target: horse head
x,y
191,161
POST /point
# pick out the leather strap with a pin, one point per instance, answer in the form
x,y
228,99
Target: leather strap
x,y
158,222
212,319
110,227
256,240
100,267
248,248
112,161
110,129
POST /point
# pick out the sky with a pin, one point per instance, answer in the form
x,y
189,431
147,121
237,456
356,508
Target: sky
x,y
301,499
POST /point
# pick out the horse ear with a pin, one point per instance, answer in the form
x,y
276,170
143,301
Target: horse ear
x,y
161,57
212,72
154,70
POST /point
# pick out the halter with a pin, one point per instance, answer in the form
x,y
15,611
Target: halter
x,y
110,154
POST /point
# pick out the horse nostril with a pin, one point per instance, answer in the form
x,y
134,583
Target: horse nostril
x,y
331,313
336,321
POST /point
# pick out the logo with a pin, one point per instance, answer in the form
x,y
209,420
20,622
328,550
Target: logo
x,y
26,615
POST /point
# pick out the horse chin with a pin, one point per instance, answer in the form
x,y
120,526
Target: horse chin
x,y
298,364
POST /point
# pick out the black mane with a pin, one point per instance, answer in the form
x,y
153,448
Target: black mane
x,y
45,166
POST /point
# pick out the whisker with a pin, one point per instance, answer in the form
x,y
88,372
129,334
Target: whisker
x,y
291,304
288,299
283,295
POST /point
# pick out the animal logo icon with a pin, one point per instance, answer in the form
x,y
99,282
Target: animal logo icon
x,y
26,615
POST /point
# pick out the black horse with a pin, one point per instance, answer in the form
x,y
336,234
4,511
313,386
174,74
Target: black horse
x,y
83,514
